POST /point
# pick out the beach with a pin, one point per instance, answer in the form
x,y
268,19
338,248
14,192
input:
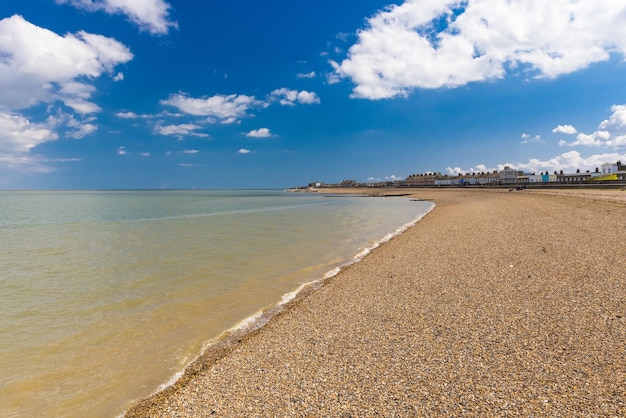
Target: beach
x,y
496,303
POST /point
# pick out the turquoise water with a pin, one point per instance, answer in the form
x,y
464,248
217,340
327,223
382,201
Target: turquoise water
x,y
106,295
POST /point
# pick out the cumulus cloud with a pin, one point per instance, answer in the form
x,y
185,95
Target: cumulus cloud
x,y
611,133
80,129
528,139
133,115
244,151
392,177
18,135
218,108
76,96
150,15
37,65
259,133
449,43
227,109
479,168
307,75
180,130
565,129
127,115
287,97
25,163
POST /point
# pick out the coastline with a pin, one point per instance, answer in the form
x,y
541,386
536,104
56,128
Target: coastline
x,y
220,346
411,328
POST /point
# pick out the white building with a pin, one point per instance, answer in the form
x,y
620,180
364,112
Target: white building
x,y
612,168
508,175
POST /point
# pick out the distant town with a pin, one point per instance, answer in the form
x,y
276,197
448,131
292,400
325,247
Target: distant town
x,y
606,174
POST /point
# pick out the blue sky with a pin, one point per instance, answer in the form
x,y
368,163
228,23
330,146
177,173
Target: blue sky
x,y
249,94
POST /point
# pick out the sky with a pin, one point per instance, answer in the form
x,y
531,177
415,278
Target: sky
x,y
133,94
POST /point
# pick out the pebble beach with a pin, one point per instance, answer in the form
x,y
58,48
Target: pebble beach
x,y
496,303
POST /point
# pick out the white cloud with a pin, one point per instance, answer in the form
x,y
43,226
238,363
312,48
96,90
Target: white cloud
x,y
150,15
133,115
343,36
392,177
190,151
565,129
244,151
228,109
611,132
25,163
479,168
307,97
118,77
226,121
259,133
528,139
80,128
121,150
183,129
454,171
218,108
18,135
449,43
82,106
287,97
307,75
37,65
127,115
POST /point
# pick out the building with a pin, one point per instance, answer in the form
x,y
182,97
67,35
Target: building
x,y
573,177
508,175
618,169
488,178
606,173
416,180
543,178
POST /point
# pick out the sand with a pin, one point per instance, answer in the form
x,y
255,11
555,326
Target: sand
x,y
496,303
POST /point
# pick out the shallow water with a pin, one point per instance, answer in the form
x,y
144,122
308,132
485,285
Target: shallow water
x,y
105,295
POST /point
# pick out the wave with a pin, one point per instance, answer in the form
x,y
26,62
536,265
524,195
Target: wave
x,y
260,318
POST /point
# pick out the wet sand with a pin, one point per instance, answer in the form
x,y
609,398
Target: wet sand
x,y
496,303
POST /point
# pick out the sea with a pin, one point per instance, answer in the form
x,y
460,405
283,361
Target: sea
x,y
106,296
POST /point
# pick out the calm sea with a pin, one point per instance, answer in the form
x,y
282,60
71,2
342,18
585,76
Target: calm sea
x,y
105,296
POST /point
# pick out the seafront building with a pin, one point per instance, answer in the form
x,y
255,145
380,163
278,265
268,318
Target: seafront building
x,y
606,173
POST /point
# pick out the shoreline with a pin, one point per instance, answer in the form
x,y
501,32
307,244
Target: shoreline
x,y
221,345
209,370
